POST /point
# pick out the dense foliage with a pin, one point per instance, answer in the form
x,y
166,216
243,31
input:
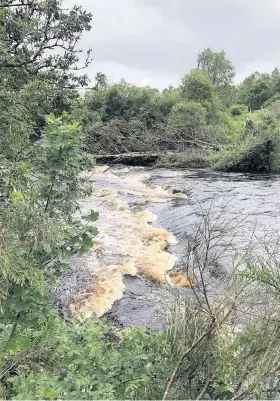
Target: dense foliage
x,y
41,159
48,132
206,111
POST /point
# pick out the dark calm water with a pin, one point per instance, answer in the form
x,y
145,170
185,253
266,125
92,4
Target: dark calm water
x,y
245,206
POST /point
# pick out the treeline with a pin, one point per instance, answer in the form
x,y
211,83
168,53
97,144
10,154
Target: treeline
x,y
207,111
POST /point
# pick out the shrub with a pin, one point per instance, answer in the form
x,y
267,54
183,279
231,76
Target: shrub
x,y
187,121
238,109
247,156
213,357
192,158
88,360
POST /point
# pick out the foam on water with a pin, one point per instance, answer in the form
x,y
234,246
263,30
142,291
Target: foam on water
x,y
127,244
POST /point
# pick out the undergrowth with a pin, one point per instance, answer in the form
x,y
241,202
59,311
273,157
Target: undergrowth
x,y
192,158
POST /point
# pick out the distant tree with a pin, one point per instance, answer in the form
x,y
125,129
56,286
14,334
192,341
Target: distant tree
x,y
227,95
167,100
169,89
101,81
255,90
215,64
197,87
275,78
127,102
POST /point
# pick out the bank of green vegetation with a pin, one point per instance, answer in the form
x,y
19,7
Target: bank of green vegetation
x,y
49,133
205,121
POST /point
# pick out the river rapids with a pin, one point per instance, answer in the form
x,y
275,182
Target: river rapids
x,y
146,217
128,249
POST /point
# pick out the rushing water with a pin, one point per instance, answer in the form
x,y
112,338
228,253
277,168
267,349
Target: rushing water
x,y
248,207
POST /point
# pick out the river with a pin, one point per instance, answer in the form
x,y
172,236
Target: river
x,y
146,218
248,203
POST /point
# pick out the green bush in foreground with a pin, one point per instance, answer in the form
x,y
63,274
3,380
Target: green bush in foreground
x,y
93,360
86,360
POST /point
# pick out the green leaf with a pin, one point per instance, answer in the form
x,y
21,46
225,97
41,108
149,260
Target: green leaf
x,y
92,217
86,248
93,231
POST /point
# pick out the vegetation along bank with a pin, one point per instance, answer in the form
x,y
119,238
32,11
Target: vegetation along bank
x,y
205,122
50,133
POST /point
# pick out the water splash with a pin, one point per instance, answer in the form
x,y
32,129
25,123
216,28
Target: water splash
x,y
127,244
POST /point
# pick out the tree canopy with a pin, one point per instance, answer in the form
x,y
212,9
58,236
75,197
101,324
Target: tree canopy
x,y
217,66
39,40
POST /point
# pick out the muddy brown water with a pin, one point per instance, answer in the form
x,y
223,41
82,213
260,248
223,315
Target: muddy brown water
x,y
250,202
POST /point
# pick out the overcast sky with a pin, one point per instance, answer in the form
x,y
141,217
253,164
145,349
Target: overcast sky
x,y
154,42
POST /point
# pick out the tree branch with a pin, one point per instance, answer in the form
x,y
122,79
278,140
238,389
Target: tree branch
x,y
203,391
185,354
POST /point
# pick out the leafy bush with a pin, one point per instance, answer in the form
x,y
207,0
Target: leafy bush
x,y
238,109
88,360
187,121
38,232
255,143
192,158
245,157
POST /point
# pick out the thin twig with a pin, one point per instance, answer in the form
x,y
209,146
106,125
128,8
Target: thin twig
x,y
205,388
184,355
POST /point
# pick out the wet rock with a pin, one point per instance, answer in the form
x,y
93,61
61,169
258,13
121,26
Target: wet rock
x,y
142,305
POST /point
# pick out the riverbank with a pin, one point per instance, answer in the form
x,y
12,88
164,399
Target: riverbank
x,y
191,158
250,156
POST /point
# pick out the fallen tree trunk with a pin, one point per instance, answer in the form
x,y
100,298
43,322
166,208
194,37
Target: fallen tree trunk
x,y
130,159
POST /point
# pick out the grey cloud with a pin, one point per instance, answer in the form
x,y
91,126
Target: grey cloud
x,y
162,37
247,30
